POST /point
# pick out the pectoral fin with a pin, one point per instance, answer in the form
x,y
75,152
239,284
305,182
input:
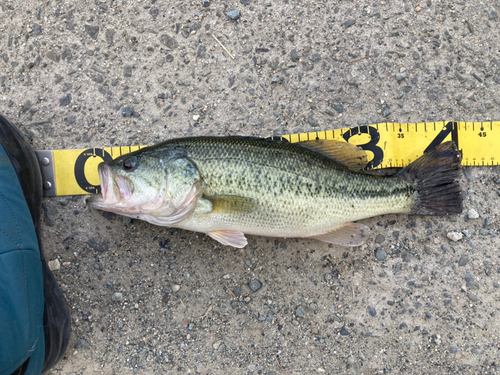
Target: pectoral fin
x,y
349,234
233,238
344,153
230,204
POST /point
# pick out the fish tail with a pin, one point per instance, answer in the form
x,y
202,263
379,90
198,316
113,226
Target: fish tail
x,y
435,176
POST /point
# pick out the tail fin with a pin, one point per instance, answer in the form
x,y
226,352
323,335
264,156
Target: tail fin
x,y
435,176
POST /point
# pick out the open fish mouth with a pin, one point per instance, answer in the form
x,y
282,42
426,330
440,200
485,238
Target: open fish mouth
x,y
110,192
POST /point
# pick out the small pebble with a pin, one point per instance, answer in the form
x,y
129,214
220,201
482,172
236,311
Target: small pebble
x,y
379,238
117,296
472,213
216,345
196,117
234,15
454,236
206,3
400,76
473,297
371,311
467,233
82,343
127,111
299,311
469,278
464,259
255,285
314,330
453,349
380,254
54,265
176,288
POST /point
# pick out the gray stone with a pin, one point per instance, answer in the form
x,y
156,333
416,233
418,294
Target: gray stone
x,y
234,15
70,120
117,296
371,311
294,56
127,70
315,58
37,29
400,76
255,285
338,107
127,111
65,100
348,23
380,254
154,11
379,238
82,344
169,41
26,106
169,58
464,259
53,56
110,35
469,278
453,349
299,311
473,297
206,3
99,244
67,55
92,31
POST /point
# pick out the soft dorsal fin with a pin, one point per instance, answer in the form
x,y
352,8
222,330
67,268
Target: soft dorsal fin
x,y
344,153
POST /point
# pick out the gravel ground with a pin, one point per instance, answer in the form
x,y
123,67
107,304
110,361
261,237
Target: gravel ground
x,y
421,296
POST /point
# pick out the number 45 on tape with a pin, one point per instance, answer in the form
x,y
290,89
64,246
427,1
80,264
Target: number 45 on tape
x,y
388,145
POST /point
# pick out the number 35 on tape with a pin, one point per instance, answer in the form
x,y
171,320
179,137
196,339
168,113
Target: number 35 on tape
x,y
388,145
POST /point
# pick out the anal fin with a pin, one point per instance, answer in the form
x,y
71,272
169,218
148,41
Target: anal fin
x,y
349,234
233,238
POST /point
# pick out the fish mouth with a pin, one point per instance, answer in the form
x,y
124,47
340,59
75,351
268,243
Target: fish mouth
x,y
114,189
109,191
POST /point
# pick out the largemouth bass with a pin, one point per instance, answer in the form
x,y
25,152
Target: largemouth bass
x,y
231,186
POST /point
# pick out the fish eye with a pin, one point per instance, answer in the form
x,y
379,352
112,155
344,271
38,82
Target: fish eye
x,y
128,164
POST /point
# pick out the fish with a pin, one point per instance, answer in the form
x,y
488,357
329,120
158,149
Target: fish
x,y
229,187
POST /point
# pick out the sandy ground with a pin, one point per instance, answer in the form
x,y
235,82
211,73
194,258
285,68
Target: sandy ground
x,y
153,300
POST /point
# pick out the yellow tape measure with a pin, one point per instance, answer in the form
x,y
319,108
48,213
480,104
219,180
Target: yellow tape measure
x,y
74,172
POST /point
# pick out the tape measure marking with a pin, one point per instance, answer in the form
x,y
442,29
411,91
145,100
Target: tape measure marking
x,y
387,145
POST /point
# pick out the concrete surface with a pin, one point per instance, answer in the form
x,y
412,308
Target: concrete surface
x,y
152,300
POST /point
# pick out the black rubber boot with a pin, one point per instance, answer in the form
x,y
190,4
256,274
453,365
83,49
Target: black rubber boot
x,y
56,318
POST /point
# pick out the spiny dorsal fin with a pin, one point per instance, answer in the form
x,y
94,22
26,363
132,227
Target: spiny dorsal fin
x,y
344,153
230,204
